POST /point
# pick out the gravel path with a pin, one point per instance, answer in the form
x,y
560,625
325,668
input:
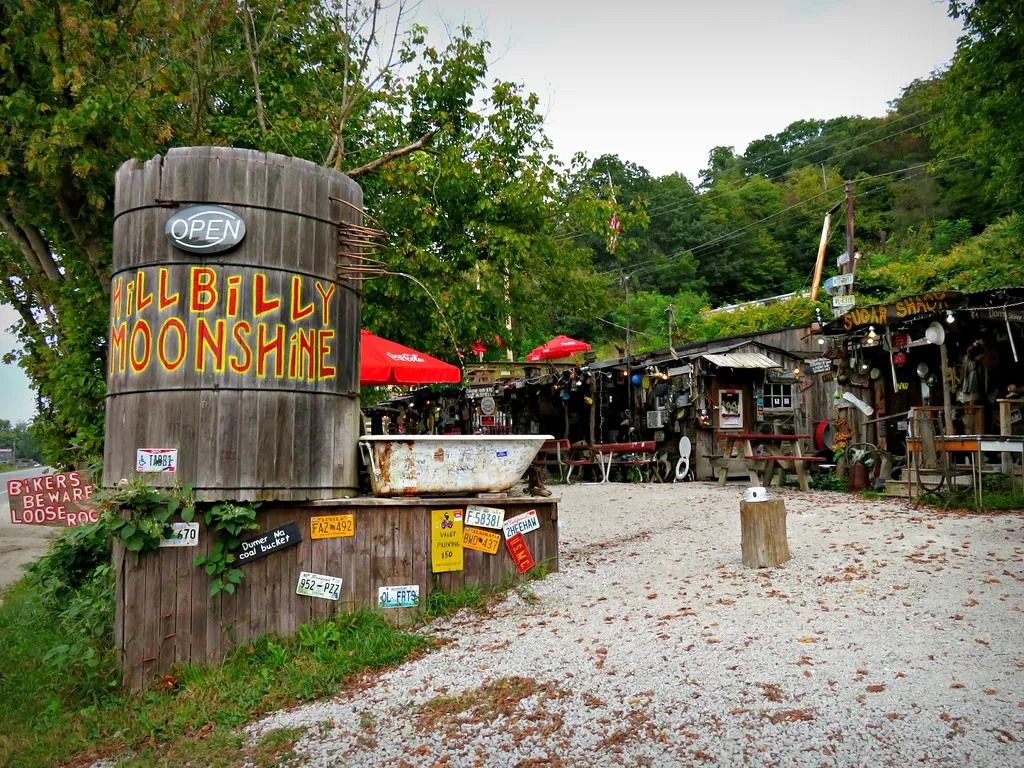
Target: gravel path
x,y
892,637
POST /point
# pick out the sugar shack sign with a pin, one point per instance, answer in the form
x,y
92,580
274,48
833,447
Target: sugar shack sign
x,y
446,540
901,309
280,538
58,499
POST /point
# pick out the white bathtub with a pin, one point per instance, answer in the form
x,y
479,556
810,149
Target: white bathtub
x,y
420,465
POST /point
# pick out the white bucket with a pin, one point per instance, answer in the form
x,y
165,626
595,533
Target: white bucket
x,y
756,493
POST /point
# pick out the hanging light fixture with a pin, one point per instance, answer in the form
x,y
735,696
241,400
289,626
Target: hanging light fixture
x,y
871,339
950,317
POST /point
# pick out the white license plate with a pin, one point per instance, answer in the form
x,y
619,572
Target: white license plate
x,y
180,535
523,523
398,597
317,585
484,517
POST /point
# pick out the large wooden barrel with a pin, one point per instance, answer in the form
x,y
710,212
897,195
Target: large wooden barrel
x,y
233,348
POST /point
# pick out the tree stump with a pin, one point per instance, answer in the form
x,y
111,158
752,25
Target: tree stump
x,y
763,533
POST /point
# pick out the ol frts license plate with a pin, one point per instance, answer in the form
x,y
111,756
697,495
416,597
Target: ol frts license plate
x,y
317,585
398,597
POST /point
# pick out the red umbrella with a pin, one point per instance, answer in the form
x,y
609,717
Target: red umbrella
x,y
387,362
558,347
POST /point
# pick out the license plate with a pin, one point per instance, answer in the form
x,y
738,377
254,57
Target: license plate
x,y
332,526
480,540
399,597
317,585
523,523
180,535
484,517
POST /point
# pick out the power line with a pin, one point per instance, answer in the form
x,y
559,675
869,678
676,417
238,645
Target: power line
x,y
648,266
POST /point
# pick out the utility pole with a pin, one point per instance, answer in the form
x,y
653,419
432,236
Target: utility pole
x,y
629,371
852,263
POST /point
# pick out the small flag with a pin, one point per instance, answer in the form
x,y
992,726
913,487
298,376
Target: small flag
x,y
614,228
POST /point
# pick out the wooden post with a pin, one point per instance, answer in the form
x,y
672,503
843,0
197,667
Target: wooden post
x,y
763,533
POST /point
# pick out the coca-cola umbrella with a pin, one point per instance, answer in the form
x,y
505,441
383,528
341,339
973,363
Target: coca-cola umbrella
x,y
382,361
557,348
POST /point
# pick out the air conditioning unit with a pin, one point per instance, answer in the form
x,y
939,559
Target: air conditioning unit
x,y
657,419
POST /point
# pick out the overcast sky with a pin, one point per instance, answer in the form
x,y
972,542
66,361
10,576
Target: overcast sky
x,y
662,82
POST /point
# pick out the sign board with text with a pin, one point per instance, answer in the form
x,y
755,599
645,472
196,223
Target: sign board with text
x,y
446,540
62,498
520,553
821,365
258,547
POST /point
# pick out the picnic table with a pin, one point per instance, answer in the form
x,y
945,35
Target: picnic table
x,y
637,454
765,454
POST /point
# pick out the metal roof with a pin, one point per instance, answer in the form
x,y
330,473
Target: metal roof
x,y
740,360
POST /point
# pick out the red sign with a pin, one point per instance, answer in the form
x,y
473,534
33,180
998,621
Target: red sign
x,y
58,499
520,553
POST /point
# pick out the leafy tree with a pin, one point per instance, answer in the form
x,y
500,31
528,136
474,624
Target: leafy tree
x,y
20,438
982,96
456,171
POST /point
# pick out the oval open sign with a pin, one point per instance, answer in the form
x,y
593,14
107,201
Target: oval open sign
x,y
205,229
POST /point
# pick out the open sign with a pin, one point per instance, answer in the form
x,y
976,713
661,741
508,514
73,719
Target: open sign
x,y
205,229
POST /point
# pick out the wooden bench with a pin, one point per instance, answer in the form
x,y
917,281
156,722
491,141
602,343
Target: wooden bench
x,y
639,454
786,461
553,454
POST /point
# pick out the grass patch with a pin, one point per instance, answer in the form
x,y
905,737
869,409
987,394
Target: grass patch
x,y
193,717
60,700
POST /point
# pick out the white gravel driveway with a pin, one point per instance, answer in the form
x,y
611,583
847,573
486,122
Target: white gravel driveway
x,y
892,638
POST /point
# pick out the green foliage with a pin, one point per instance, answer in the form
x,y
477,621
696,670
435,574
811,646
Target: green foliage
x,y
981,102
139,514
73,585
227,521
22,439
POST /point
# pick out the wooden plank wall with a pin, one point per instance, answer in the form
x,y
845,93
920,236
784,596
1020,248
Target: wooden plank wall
x,y
165,616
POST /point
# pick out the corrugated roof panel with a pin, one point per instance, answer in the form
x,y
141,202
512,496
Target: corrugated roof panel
x,y
741,360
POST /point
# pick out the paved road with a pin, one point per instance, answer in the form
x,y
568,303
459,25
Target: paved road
x,y
19,544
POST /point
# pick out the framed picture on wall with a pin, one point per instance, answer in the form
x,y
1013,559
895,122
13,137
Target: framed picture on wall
x,y
730,409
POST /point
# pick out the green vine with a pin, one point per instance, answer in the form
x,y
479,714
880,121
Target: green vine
x,y
140,515
229,520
